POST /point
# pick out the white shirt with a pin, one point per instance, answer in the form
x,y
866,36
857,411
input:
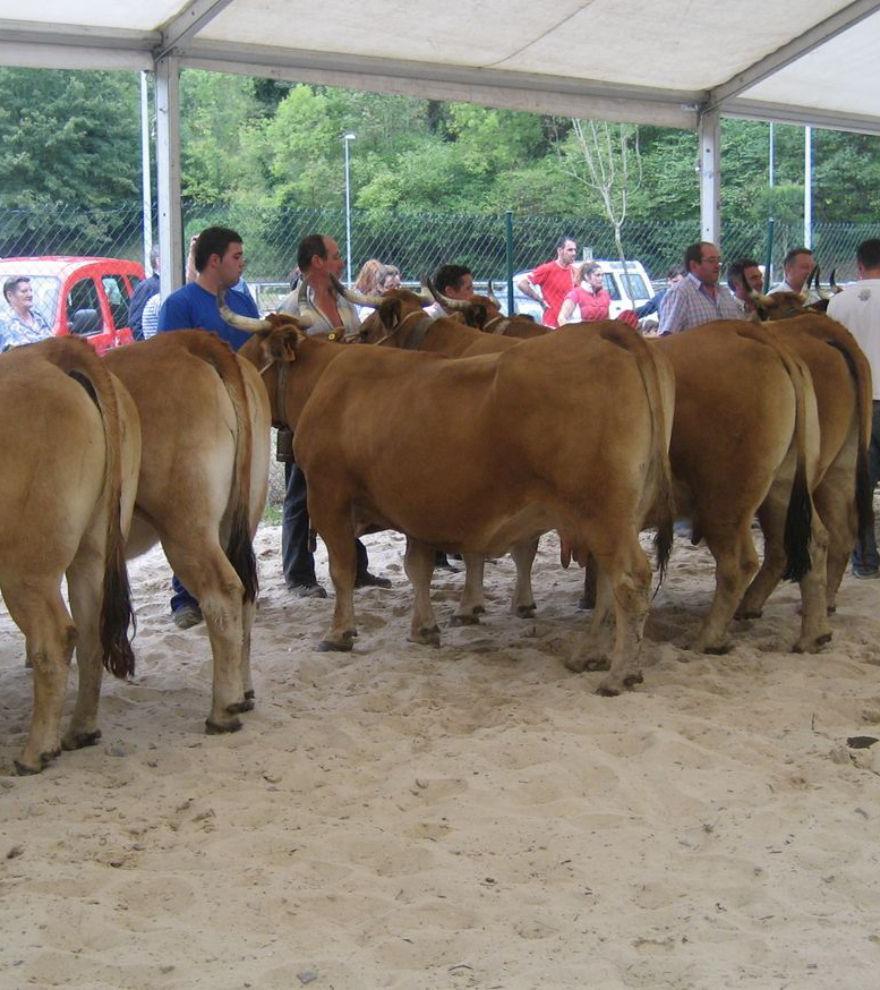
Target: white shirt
x,y
858,309
785,287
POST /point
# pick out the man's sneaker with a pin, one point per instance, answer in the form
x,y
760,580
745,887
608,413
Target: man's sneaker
x,y
309,589
187,616
865,572
371,581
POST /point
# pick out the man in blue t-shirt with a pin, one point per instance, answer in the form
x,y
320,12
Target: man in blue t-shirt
x,y
219,262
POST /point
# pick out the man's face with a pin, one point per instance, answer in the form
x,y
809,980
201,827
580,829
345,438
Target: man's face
x,y
752,281
231,265
333,263
567,253
708,268
797,271
464,290
753,278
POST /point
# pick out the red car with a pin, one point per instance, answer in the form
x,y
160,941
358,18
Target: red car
x,y
83,296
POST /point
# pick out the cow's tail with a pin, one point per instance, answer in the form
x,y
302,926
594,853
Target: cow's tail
x,y
647,360
239,548
77,359
799,517
842,340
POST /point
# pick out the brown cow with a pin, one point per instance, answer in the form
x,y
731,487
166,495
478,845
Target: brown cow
x,y
71,447
399,321
202,488
842,381
745,436
478,454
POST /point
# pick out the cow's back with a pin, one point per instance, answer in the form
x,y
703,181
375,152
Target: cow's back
x,y
53,462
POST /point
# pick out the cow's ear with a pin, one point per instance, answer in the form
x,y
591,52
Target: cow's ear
x,y
389,313
280,346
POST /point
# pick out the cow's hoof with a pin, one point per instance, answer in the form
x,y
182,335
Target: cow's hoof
x,y
748,613
586,604
526,611
250,695
598,663
218,728
832,609
717,651
632,679
607,691
22,770
241,706
427,637
465,619
811,645
78,740
341,645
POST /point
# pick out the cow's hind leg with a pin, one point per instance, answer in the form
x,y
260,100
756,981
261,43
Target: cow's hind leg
x,y
599,646
771,516
85,590
333,522
629,576
38,610
205,570
472,604
523,603
418,562
735,562
835,503
815,628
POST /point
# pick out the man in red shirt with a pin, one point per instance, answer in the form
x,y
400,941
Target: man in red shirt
x,y
553,279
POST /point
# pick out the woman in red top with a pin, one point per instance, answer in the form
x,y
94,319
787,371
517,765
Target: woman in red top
x,y
590,299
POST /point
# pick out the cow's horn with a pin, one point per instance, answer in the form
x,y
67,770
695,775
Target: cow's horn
x,y
246,323
250,325
490,294
835,288
353,296
759,299
445,301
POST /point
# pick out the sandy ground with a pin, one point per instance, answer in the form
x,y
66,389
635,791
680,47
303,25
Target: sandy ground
x,y
468,816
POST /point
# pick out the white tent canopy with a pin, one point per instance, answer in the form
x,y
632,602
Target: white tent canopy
x,y
647,61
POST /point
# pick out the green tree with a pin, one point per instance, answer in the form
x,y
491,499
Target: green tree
x,y
69,159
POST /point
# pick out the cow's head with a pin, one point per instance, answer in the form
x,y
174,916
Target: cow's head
x,y
476,312
391,310
275,337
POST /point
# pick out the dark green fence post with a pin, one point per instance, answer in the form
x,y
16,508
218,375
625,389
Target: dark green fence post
x,y
508,218
768,254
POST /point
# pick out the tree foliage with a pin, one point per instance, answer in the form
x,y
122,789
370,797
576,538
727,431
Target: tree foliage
x,y
257,145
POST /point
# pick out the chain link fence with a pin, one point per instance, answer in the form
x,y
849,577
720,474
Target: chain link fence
x,y
419,242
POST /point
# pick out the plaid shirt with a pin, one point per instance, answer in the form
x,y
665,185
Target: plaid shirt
x,y
688,304
14,331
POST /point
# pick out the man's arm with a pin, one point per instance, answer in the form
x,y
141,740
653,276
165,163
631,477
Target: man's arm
x,y
671,311
527,288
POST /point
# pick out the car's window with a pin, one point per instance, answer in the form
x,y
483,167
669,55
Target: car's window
x,y
117,296
636,286
611,285
84,308
46,291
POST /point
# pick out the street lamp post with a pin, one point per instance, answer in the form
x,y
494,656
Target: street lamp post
x,y
345,139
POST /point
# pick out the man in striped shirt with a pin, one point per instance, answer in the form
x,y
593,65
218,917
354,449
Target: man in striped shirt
x,y
698,298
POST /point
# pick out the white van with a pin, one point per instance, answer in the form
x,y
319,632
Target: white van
x,y
627,291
